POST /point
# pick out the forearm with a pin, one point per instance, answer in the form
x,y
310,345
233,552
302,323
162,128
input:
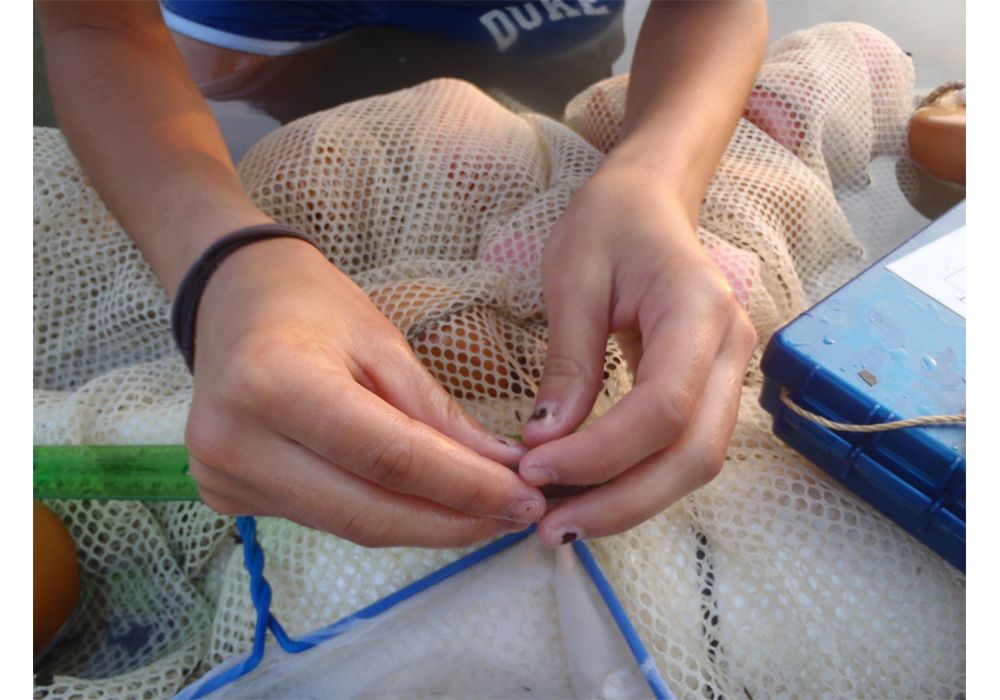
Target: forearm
x,y
142,131
693,69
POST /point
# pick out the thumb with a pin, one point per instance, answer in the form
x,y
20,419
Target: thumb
x,y
578,310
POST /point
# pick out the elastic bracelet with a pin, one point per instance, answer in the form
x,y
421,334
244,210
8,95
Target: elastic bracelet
x,y
185,311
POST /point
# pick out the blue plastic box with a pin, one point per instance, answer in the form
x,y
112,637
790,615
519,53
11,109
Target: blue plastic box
x,y
888,345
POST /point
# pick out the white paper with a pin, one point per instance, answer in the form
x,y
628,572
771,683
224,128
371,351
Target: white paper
x,y
938,270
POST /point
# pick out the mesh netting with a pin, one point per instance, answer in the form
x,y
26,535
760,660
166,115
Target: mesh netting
x,y
579,651
770,581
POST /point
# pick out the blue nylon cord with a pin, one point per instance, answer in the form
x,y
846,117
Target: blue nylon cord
x,y
260,594
260,590
650,672
422,584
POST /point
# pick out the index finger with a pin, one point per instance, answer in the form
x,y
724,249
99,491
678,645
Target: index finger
x,y
358,431
670,381
661,479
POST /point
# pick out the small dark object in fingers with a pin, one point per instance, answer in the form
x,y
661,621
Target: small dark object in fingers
x,y
554,492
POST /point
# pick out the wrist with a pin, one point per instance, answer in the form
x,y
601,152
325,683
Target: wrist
x,y
211,282
255,268
646,178
191,235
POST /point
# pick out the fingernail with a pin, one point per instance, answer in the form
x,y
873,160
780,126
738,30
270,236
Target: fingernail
x,y
544,414
527,511
569,534
536,475
510,443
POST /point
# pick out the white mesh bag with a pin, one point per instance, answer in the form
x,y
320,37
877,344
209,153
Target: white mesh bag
x,y
470,618
772,581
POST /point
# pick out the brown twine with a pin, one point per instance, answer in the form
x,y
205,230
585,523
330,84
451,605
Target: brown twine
x,y
870,427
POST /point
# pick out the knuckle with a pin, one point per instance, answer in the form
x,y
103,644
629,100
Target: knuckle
x,y
746,332
356,525
443,405
250,379
210,445
393,462
563,366
212,488
708,465
385,344
710,288
219,503
720,295
199,471
395,339
674,410
453,412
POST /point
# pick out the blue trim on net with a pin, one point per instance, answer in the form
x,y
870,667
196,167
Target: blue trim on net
x,y
647,666
420,585
260,592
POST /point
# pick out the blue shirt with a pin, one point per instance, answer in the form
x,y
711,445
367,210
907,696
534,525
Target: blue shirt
x,y
536,27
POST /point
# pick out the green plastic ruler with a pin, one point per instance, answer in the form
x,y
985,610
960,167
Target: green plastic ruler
x,y
126,472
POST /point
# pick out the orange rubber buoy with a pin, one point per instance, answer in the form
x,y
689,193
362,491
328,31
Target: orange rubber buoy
x,y
56,576
937,134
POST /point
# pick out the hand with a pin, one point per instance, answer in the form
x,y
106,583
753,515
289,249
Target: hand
x,y
625,259
308,404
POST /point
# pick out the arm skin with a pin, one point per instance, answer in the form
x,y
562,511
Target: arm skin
x,y
625,259
693,68
140,127
326,419
691,73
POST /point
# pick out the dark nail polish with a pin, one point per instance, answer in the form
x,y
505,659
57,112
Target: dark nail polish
x,y
568,537
540,413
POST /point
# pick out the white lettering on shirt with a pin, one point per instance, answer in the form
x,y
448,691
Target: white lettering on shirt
x,y
500,28
526,23
504,29
553,7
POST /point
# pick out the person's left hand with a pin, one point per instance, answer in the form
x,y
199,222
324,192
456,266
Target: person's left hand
x,y
625,259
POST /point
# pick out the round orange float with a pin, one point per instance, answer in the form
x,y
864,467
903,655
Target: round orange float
x,y
937,134
56,576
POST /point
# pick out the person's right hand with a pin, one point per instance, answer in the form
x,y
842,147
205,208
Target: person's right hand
x,y
309,404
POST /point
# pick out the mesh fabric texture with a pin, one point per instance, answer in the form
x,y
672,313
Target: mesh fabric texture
x,y
772,581
581,653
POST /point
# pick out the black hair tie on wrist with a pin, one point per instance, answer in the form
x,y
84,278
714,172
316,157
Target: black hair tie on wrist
x,y
184,317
